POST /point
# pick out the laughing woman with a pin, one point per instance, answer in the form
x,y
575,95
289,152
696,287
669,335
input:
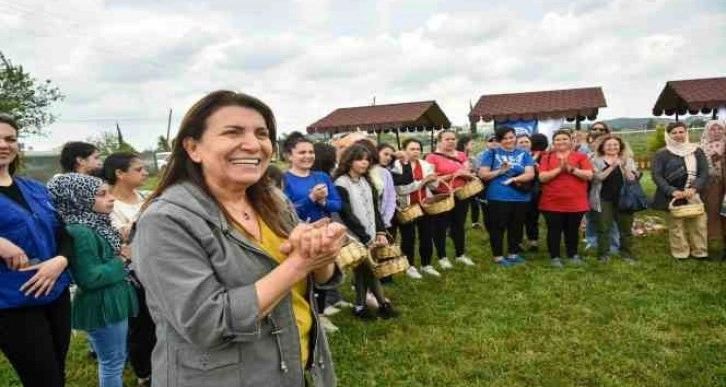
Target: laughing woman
x,y
228,268
564,175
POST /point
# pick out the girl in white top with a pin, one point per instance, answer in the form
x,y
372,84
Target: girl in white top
x,y
125,173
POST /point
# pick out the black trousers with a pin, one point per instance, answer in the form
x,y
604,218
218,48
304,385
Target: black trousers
x,y
425,242
365,280
451,222
506,217
563,223
35,340
142,338
531,220
475,210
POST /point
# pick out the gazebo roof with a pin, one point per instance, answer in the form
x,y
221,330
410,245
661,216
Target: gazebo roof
x,y
692,95
568,103
411,116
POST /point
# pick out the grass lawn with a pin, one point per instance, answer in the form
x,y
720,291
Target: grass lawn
x,y
660,323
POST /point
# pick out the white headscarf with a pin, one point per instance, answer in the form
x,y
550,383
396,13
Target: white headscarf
x,y
714,149
682,149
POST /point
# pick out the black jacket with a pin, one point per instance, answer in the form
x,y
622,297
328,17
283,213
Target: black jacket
x,y
669,175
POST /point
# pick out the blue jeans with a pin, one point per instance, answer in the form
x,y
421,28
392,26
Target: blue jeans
x,y
109,343
591,227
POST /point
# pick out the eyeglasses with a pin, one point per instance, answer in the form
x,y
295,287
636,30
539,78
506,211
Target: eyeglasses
x,y
598,129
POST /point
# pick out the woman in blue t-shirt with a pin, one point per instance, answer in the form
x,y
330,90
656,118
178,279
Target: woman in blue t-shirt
x,y
509,172
313,193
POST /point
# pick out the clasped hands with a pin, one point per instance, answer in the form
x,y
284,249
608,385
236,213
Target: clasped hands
x,y
687,193
315,245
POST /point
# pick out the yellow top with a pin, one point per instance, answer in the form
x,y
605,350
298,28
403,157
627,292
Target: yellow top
x,y
301,309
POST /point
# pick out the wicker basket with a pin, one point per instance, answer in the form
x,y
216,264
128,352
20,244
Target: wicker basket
x,y
352,254
694,208
409,213
439,203
391,266
471,188
382,253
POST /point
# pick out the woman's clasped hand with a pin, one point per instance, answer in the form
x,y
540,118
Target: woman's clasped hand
x,y
315,245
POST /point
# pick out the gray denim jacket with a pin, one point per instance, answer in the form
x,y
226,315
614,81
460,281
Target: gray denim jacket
x,y
199,275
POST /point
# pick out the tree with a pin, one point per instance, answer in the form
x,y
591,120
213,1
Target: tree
x,y
109,142
162,145
657,139
25,98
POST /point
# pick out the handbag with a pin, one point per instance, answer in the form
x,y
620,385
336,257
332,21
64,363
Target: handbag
x,y
632,197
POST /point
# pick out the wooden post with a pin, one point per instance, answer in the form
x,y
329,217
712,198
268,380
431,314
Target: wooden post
x,y
398,139
378,136
577,123
713,116
432,138
676,114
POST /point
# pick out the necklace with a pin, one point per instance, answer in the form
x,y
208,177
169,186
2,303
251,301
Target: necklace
x,y
245,215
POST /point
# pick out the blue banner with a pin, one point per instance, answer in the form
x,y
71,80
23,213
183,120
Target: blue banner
x,y
520,126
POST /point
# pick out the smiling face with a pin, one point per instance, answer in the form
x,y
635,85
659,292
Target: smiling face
x,y
302,156
562,143
611,147
135,176
8,145
103,202
509,140
235,148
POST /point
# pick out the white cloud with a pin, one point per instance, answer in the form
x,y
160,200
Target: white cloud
x,y
132,61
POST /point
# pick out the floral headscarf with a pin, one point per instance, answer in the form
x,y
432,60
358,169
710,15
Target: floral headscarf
x,y
714,148
74,195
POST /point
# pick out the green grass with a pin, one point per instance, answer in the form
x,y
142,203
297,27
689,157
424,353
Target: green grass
x,y
660,323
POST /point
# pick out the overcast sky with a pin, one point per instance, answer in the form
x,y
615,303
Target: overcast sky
x,y
131,60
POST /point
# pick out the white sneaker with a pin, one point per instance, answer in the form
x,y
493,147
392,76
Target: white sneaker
x,y
343,304
327,324
371,301
330,310
465,260
428,269
412,272
445,263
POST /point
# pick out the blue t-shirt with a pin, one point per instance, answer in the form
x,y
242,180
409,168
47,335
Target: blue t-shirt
x,y
297,189
518,159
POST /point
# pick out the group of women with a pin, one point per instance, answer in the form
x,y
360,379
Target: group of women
x,y
73,223
232,266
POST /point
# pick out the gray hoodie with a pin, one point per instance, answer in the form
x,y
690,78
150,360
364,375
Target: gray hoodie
x,y
199,275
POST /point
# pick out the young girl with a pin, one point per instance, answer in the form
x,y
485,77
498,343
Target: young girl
x,y
104,300
360,214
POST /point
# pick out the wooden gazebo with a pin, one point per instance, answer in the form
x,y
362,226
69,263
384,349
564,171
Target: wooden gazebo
x,y
694,96
400,117
570,104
